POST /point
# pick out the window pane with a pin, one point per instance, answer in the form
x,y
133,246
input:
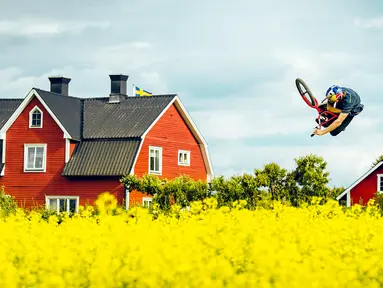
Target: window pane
x,y
63,205
36,118
151,163
31,157
180,157
39,157
72,205
53,204
157,162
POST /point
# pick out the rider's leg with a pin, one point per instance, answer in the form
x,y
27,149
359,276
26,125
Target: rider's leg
x,y
342,126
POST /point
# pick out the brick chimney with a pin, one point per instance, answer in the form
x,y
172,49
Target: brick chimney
x,y
59,85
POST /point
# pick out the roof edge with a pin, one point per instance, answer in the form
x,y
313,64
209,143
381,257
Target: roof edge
x,y
360,179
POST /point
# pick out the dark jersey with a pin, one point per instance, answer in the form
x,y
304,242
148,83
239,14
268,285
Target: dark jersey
x,y
351,103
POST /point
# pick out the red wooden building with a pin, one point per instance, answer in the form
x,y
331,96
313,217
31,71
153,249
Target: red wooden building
x,y
63,151
364,188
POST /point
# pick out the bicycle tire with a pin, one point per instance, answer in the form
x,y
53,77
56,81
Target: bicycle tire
x,y
312,102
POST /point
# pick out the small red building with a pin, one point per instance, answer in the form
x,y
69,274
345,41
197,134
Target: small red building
x,y
364,188
63,151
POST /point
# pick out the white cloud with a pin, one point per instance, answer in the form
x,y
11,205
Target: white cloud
x,y
376,23
34,27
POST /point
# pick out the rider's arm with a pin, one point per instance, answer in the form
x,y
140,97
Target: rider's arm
x,y
335,124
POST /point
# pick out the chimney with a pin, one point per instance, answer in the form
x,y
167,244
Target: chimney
x,y
59,85
118,89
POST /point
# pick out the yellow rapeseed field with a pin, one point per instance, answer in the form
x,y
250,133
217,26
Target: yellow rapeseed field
x,y
315,246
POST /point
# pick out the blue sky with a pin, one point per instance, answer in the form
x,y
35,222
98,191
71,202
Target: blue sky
x,y
233,64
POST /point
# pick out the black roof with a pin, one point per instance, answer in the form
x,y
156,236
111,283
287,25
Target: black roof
x,y
7,107
108,132
102,158
129,118
66,109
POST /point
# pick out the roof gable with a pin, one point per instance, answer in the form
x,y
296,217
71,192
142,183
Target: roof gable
x,y
67,109
20,108
360,179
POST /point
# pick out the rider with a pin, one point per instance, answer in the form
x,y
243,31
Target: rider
x,y
342,101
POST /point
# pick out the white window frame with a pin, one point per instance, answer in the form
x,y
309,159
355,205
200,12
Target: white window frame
x,y
30,117
148,199
155,148
58,198
379,176
26,146
188,157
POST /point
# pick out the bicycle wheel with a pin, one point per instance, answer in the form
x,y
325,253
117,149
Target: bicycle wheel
x,y
305,91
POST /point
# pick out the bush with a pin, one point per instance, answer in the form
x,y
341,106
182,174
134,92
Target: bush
x,y
7,204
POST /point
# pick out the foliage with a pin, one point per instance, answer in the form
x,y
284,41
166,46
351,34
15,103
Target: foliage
x,y
206,246
180,190
311,176
7,203
272,177
377,160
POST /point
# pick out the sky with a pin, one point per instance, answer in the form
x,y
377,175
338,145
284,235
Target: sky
x,y
232,63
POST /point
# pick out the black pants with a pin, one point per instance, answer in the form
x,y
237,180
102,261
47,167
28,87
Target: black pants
x,y
342,126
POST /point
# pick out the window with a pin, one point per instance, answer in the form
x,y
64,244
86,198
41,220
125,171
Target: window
x,y
155,160
35,157
380,183
36,118
183,157
146,202
60,204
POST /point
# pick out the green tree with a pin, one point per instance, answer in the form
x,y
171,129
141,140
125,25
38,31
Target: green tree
x,y
272,177
311,176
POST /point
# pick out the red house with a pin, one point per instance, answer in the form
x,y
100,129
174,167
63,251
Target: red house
x,y
63,151
364,188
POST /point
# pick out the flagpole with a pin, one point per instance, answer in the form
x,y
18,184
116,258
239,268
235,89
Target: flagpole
x,y
134,91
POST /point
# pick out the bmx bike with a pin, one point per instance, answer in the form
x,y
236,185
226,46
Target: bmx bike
x,y
325,117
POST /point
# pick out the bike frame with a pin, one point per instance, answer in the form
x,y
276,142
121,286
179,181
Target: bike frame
x,y
319,108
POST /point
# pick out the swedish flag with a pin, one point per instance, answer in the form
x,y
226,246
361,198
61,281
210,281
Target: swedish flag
x,y
141,92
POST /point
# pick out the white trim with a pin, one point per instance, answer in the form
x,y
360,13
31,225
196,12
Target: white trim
x,y
188,157
149,199
67,150
378,176
127,197
24,104
4,137
155,148
26,146
30,117
360,179
348,199
77,198
186,117
136,157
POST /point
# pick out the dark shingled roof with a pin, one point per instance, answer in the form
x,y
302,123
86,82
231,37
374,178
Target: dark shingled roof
x,y
66,109
7,107
102,158
129,118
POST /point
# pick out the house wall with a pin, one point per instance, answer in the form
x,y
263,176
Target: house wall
x,y
171,133
30,188
366,189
